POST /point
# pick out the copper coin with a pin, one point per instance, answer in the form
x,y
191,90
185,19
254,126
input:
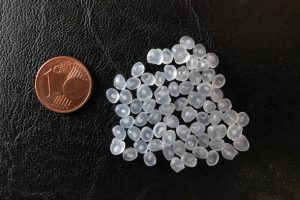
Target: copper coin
x,y
63,84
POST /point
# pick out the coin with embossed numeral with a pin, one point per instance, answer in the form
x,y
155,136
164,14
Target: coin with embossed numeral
x,y
63,84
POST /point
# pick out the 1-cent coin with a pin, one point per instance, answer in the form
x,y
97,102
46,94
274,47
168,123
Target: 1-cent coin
x,y
63,84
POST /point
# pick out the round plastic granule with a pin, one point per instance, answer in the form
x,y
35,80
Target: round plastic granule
x,y
243,119
179,147
161,95
191,142
234,132
195,77
203,118
122,110
148,78
203,140
133,83
154,117
197,128
218,81
185,87
171,121
183,132
217,131
215,117
112,95
216,95
141,119
189,159
125,97
167,56
144,92
174,89
136,106
177,164
203,65
146,134
119,82
168,153
196,99
230,117
224,105
242,144
187,42
170,72
182,73
180,103
208,75
119,132
192,63
117,146
217,144
137,69
213,59
169,137
129,154
209,106
229,152
199,51
149,105
200,152
149,158
180,54
155,145
127,121
134,133
155,56
141,146
159,78
212,158
205,89
159,129
166,109
188,114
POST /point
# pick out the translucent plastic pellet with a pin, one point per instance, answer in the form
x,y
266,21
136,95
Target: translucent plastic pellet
x,y
113,96
155,145
191,142
197,128
119,82
234,132
148,78
177,164
125,97
119,132
149,159
216,131
154,117
134,133
133,83
122,110
127,121
162,96
137,69
171,121
215,117
149,105
212,158
228,151
242,144
192,63
209,106
179,148
189,159
168,153
217,144
170,72
203,65
208,75
159,129
174,89
130,154
203,140
136,106
166,109
180,54
203,118
216,95
141,146
199,51
182,73
146,134
218,81
180,103
155,56
205,89
230,117
167,56
183,132
144,92
117,146
200,152
213,59
243,119
185,87
141,119
159,78
195,77
196,99
169,137
187,42
224,105
188,114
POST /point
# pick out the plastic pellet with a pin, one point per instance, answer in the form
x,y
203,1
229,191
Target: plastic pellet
x,y
141,119
168,153
234,132
148,78
167,56
169,137
133,83
228,151
208,75
125,97
230,117
218,81
188,114
117,146
242,144
129,154
155,145
159,78
216,95
212,158
196,99
177,164
179,148
192,63
113,96
119,132
215,117
171,121
189,159
217,131
224,105
146,134
137,69
162,96
195,77
213,59
159,129
134,133
144,92
154,117
185,87
187,42
180,103
209,106
203,65
243,119
182,73
122,110
141,146
203,140
149,158
191,142
127,121
217,144
203,118
183,132
197,128
180,54
119,82
199,51
170,72
136,106
174,89
155,56
205,89
200,152
149,105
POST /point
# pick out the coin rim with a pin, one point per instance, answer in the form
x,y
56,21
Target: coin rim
x,y
52,108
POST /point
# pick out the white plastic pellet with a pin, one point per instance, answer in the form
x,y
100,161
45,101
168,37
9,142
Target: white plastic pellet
x,y
144,92
130,154
137,69
191,142
162,96
242,144
177,164
141,146
133,83
196,99
230,117
182,73
185,87
149,158
188,114
199,51
213,59
228,151
149,105
167,56
159,78
141,119
212,158
119,82
170,72
155,56
243,119
171,121
180,54
117,146
148,78
125,97
119,132
136,106
217,131
146,134
189,159
180,103
154,117
127,122
187,42
159,129
200,152
179,148
134,133
183,132
197,128
122,110
234,132
168,153
174,89
203,118
155,145
112,95
169,137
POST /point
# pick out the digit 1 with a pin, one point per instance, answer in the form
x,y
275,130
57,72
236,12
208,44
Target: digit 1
x,y
49,82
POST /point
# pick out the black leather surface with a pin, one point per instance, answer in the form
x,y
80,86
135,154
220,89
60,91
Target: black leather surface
x,y
45,155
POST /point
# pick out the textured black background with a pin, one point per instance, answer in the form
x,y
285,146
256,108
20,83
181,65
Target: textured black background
x,y
45,155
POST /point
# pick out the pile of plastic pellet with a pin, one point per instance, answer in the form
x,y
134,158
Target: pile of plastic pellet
x,y
199,124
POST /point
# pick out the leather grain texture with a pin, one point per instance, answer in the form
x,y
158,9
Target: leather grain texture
x,y
47,156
